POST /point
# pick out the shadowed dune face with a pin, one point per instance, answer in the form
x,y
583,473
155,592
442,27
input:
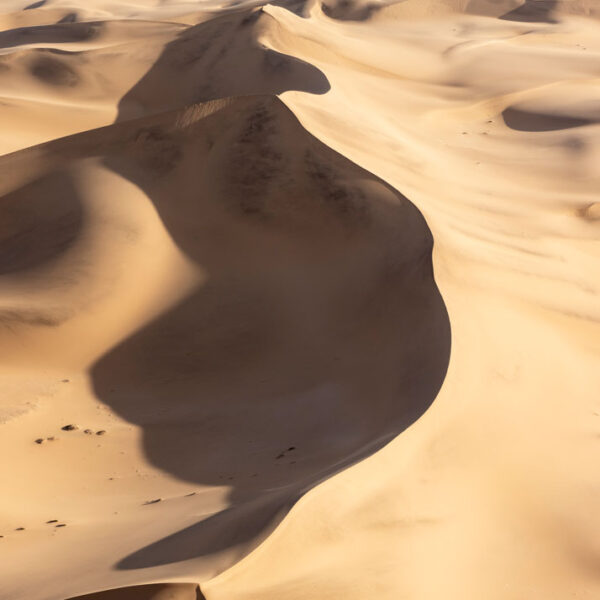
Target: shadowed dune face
x,y
35,5
63,32
528,11
51,70
533,11
166,591
346,10
217,59
341,10
38,223
242,312
319,333
318,336
523,120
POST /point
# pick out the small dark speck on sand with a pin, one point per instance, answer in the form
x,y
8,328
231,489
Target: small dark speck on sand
x,y
190,494
70,427
39,441
101,432
61,525
291,448
51,521
88,431
51,438
20,529
153,501
65,381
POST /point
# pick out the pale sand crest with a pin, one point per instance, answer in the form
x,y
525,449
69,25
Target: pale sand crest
x,y
300,301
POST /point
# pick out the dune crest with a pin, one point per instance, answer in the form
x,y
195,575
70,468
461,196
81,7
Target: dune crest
x,y
299,300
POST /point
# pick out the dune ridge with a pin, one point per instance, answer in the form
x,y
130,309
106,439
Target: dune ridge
x,y
299,300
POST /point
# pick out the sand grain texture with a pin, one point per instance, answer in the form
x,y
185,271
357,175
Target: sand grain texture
x,y
299,300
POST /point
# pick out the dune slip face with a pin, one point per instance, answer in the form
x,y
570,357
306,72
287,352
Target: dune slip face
x,y
299,299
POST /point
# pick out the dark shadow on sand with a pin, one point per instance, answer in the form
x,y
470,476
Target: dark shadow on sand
x,y
523,120
318,337
533,11
319,334
340,10
35,5
159,591
218,59
39,223
64,32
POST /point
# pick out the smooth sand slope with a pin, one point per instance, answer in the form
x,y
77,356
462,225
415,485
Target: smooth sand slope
x,y
232,367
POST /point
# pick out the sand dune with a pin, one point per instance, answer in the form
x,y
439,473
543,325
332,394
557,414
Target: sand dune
x,y
299,300
167,591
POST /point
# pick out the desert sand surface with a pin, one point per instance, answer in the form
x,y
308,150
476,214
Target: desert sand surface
x,y
300,301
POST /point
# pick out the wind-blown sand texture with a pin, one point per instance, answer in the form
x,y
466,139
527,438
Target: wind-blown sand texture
x,y
300,301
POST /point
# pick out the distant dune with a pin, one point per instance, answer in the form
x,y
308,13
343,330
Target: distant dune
x,y
299,301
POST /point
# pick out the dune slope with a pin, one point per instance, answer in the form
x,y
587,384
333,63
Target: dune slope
x,y
303,287
228,369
